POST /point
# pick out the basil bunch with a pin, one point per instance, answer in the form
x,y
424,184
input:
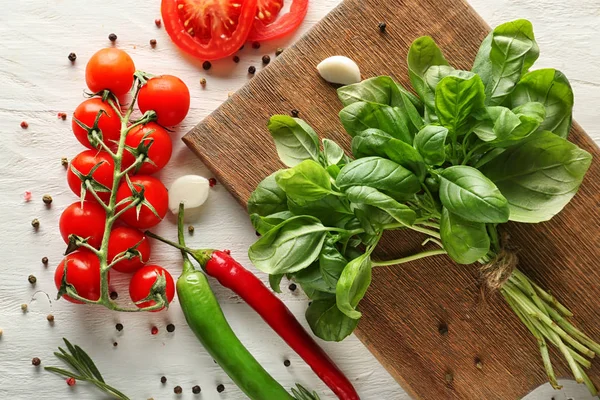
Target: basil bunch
x,y
475,149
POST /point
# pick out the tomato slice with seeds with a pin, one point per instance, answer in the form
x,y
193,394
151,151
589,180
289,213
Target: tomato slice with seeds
x,y
273,28
208,29
268,10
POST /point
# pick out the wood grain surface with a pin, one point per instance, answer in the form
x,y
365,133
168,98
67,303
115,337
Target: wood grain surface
x,y
406,304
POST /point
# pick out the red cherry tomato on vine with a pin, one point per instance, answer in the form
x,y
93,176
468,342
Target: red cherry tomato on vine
x,y
124,238
142,282
86,222
109,123
83,272
168,96
268,28
110,69
160,147
154,192
84,162
208,30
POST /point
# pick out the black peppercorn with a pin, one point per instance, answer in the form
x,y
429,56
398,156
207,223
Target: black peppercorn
x,y
266,59
286,363
220,388
72,57
114,295
478,363
177,390
292,287
36,361
50,318
443,329
35,223
112,37
32,279
115,344
252,69
47,199
278,52
170,328
255,45
119,327
44,260
191,229
153,42
236,59
382,27
196,389
206,65
295,113
163,379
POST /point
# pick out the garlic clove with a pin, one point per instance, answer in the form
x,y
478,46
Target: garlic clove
x,y
339,69
191,190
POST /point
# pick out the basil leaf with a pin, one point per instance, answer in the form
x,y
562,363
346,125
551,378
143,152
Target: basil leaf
x,y
465,241
372,220
262,225
551,88
331,264
456,98
307,181
331,210
294,139
374,142
373,197
381,90
468,193
290,246
430,142
311,278
432,77
360,116
268,198
379,173
423,54
538,177
510,51
315,294
332,152
328,322
502,127
353,284
275,282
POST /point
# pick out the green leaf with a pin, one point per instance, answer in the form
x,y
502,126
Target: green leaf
x,y
433,76
465,241
331,210
373,197
328,322
372,220
360,116
290,246
262,225
275,282
422,55
268,198
430,142
331,264
381,90
307,181
294,139
332,152
468,193
539,176
379,173
501,127
456,98
353,284
374,142
311,278
551,88
511,51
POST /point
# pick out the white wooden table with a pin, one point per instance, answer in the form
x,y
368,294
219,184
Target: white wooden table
x,y
37,81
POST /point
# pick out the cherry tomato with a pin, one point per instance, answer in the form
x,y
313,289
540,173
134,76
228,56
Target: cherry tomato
x,y
84,162
208,30
109,123
267,29
87,222
168,96
160,147
83,272
124,238
154,192
110,69
142,282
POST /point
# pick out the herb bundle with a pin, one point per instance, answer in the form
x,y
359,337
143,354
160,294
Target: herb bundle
x,y
475,149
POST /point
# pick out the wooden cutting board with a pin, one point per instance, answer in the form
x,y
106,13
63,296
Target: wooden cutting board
x,y
406,304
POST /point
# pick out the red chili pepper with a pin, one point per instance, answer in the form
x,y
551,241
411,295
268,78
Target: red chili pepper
x,y
244,283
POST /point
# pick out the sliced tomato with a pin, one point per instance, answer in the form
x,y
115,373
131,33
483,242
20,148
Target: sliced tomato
x,y
208,29
265,29
268,10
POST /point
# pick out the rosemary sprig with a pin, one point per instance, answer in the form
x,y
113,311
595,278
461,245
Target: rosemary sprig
x,y
85,369
303,394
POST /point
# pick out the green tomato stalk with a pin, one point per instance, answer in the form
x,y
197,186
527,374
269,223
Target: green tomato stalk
x,y
137,200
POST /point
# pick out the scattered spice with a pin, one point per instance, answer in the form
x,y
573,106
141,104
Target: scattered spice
x,y
35,223
64,162
24,307
191,229
256,45
295,113
212,182
47,199
27,196
256,233
287,363
443,329
119,327
203,82
24,124
154,330
45,260
252,69
278,52
163,379
112,37
206,65
196,389
236,59
229,94
71,381
266,59
292,287
170,328
449,378
72,57
382,26
62,115
178,390
114,295
50,318
115,344
157,22
478,363
220,388
36,361
153,42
